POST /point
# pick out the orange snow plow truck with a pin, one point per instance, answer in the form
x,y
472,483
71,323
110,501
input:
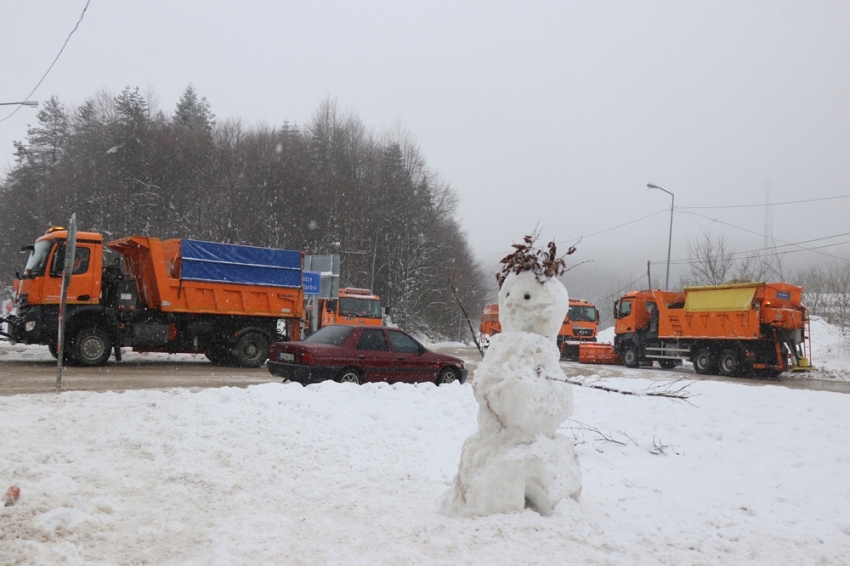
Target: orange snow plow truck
x,y
579,327
177,296
354,306
731,330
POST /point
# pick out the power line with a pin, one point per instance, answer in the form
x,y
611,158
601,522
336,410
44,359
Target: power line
x,y
684,208
736,255
688,209
54,61
665,209
568,240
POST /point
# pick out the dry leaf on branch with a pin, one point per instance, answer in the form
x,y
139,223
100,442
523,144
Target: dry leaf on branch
x,y
543,263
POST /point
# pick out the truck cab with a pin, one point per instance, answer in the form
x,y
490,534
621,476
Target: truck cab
x,y
353,306
38,288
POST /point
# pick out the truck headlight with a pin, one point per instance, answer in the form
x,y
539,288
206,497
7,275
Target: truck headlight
x,y
29,326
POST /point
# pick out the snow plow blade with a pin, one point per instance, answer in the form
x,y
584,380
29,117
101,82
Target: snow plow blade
x,y
598,354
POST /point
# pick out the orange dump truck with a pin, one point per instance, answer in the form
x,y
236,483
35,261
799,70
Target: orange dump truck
x,y
580,326
731,330
178,296
353,307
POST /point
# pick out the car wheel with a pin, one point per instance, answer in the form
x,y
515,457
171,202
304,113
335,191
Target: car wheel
x,y
53,351
251,350
350,375
92,347
730,363
631,359
448,375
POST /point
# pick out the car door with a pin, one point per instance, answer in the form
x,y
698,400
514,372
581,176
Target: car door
x,y
374,356
412,361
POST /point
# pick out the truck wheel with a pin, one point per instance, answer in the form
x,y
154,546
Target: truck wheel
x,y
704,362
252,350
631,359
730,363
66,354
217,353
91,347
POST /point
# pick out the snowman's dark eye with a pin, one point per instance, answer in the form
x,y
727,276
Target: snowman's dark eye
x,y
527,296
508,294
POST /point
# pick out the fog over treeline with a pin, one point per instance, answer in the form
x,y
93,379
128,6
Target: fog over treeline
x,y
329,186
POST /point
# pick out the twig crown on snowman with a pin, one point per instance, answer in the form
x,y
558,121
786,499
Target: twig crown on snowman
x,y
545,264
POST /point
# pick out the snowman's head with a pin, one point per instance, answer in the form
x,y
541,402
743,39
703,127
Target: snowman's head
x,y
528,305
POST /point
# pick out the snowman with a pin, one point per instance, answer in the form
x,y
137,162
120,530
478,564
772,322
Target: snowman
x,y
517,459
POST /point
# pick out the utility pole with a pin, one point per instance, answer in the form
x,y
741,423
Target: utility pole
x,y
670,238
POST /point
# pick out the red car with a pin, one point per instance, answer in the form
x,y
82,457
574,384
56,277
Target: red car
x,y
357,354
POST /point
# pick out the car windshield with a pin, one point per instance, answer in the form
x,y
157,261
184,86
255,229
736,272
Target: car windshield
x,y
331,335
586,314
370,308
38,259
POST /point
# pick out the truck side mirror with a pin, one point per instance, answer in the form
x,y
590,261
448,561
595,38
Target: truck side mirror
x,y
386,310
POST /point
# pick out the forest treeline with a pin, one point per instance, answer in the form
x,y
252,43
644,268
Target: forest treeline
x,y
331,186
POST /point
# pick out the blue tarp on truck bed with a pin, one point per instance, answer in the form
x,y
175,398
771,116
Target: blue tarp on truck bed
x,y
229,263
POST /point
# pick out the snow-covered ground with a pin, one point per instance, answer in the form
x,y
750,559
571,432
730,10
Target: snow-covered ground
x,y
341,474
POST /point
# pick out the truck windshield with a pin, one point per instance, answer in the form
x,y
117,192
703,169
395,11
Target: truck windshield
x,y
582,314
369,308
38,259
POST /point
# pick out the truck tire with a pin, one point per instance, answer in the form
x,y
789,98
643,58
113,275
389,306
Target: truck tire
x,y
705,362
217,353
729,364
631,358
66,354
91,347
251,350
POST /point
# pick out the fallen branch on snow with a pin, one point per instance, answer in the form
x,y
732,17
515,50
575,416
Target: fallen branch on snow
x,y
668,391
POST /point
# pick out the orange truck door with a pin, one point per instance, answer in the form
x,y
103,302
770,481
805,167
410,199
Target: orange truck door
x,y
85,280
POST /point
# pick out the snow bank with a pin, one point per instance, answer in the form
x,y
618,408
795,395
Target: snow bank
x,y
341,474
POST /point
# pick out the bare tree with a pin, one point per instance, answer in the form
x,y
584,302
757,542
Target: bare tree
x,y
712,261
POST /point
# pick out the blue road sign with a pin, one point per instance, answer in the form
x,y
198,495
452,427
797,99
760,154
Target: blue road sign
x,y
311,280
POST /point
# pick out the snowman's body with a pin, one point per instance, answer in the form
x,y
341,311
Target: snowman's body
x,y
517,458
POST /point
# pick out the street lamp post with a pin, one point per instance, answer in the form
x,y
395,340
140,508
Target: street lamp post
x,y
670,238
32,103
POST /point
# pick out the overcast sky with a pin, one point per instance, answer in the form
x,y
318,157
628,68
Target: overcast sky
x,y
552,114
